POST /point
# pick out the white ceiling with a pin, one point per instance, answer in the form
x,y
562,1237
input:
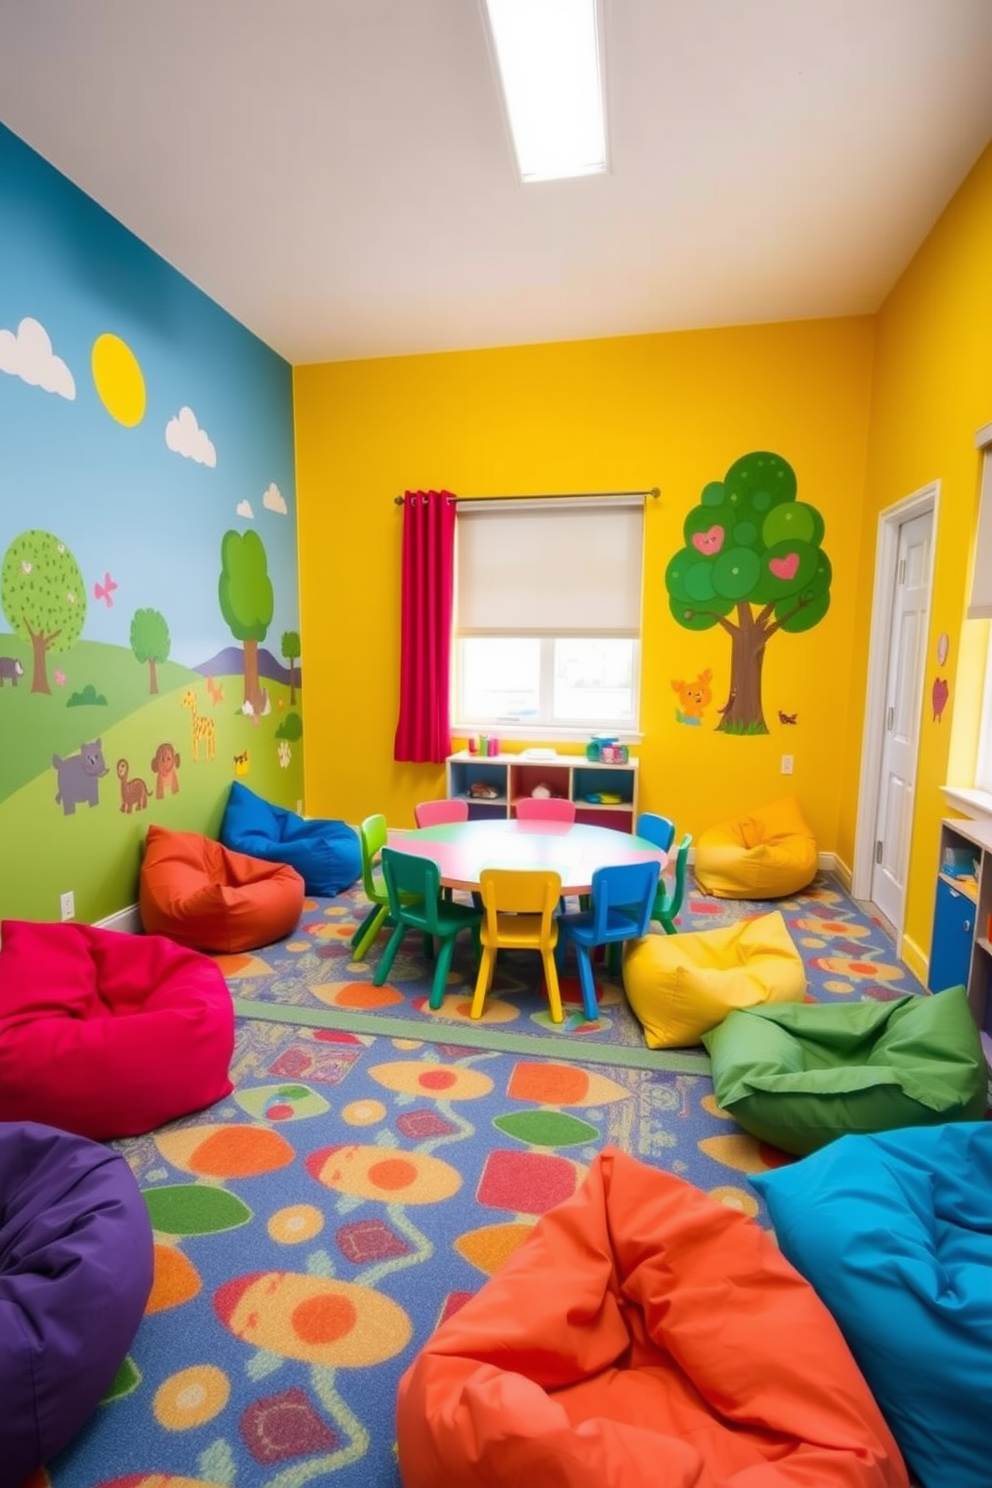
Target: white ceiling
x,y
337,173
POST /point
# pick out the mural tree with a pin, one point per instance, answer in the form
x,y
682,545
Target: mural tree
x,y
752,564
291,651
43,597
150,642
246,602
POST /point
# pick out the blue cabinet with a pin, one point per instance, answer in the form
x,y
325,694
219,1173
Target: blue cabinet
x,y
953,937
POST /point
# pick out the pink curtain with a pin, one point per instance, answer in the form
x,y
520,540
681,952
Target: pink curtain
x,y
423,733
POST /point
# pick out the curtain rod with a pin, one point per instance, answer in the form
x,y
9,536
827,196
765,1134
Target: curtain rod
x,y
554,496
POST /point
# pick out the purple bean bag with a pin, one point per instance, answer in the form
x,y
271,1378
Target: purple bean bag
x,y
75,1274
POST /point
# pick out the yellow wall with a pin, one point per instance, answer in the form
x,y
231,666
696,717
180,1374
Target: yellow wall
x,y
628,413
932,390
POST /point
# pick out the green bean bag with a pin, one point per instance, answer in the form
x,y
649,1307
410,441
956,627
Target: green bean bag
x,y
798,1075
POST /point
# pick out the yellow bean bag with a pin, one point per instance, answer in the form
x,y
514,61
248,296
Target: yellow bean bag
x,y
681,986
765,855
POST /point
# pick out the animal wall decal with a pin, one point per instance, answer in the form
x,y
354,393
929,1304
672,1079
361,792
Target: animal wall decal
x,y
165,768
134,790
787,718
79,777
204,728
10,670
751,565
694,698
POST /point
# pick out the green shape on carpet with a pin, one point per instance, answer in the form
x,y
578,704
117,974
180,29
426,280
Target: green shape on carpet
x,y
541,1046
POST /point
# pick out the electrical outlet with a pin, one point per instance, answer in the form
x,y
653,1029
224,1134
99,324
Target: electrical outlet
x,y
787,764
68,902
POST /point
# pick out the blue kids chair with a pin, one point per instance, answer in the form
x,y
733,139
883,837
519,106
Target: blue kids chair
x,y
622,901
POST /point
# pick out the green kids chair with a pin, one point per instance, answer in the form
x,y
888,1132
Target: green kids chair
x,y
413,886
372,836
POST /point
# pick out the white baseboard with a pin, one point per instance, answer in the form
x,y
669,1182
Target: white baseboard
x,y
831,863
127,920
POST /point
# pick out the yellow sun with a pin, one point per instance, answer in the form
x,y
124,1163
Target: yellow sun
x,y
118,380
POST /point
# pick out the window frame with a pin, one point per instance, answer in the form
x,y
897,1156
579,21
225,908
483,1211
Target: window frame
x,y
545,726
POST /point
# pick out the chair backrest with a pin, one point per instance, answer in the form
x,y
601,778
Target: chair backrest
x,y
545,808
413,884
657,829
520,891
673,901
372,838
622,900
436,813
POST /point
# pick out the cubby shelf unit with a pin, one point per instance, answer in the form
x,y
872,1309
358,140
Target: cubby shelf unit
x,y
961,947
570,775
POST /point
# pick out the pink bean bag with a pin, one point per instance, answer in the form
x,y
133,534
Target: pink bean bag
x,y
108,1035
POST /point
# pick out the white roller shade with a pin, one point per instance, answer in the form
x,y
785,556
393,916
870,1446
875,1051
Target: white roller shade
x,y
980,607
560,568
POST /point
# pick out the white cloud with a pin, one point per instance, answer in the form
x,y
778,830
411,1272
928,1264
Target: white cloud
x,y
27,353
274,500
184,437
243,509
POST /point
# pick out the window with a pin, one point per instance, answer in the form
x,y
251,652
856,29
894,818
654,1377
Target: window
x,y
547,630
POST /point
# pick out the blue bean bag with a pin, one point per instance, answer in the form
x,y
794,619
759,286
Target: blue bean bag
x,y
894,1232
75,1275
325,853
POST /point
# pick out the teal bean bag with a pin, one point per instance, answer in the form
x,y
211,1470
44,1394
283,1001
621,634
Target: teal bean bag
x,y
798,1075
325,853
895,1234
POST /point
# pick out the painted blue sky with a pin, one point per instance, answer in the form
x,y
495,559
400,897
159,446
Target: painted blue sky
x,y
148,503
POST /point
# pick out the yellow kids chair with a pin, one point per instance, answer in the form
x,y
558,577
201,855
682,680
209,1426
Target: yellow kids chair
x,y
519,906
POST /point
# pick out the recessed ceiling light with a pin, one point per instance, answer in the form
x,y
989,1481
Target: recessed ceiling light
x,y
549,60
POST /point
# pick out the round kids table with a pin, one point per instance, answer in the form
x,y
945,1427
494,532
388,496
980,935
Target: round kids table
x,y
574,851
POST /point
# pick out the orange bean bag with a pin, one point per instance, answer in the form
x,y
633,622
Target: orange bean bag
x,y
643,1336
210,898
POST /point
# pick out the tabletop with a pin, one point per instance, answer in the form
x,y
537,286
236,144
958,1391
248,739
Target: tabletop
x,y
574,851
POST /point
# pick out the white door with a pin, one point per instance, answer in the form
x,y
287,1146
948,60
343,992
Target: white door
x,y
903,699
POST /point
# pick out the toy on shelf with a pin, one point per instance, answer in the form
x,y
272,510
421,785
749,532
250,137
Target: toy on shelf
x,y
606,751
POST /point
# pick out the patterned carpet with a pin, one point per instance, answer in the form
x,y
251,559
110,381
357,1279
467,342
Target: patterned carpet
x,y
314,1228
847,956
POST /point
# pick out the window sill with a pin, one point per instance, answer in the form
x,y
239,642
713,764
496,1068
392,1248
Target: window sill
x,y
544,733
975,804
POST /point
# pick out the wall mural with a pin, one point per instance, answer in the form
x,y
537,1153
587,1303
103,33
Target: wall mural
x,y
752,565
149,635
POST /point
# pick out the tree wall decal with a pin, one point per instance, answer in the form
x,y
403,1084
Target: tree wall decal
x,y
150,642
43,597
752,564
290,647
247,603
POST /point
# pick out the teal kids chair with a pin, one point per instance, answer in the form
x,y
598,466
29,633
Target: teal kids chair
x,y
668,901
413,886
372,839
622,902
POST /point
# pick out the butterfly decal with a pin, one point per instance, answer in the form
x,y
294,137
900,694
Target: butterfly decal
x,y
105,590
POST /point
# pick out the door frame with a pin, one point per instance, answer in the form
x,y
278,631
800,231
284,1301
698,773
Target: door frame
x,y
890,519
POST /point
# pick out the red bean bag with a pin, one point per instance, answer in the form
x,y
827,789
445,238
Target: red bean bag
x,y
211,898
643,1336
108,1035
